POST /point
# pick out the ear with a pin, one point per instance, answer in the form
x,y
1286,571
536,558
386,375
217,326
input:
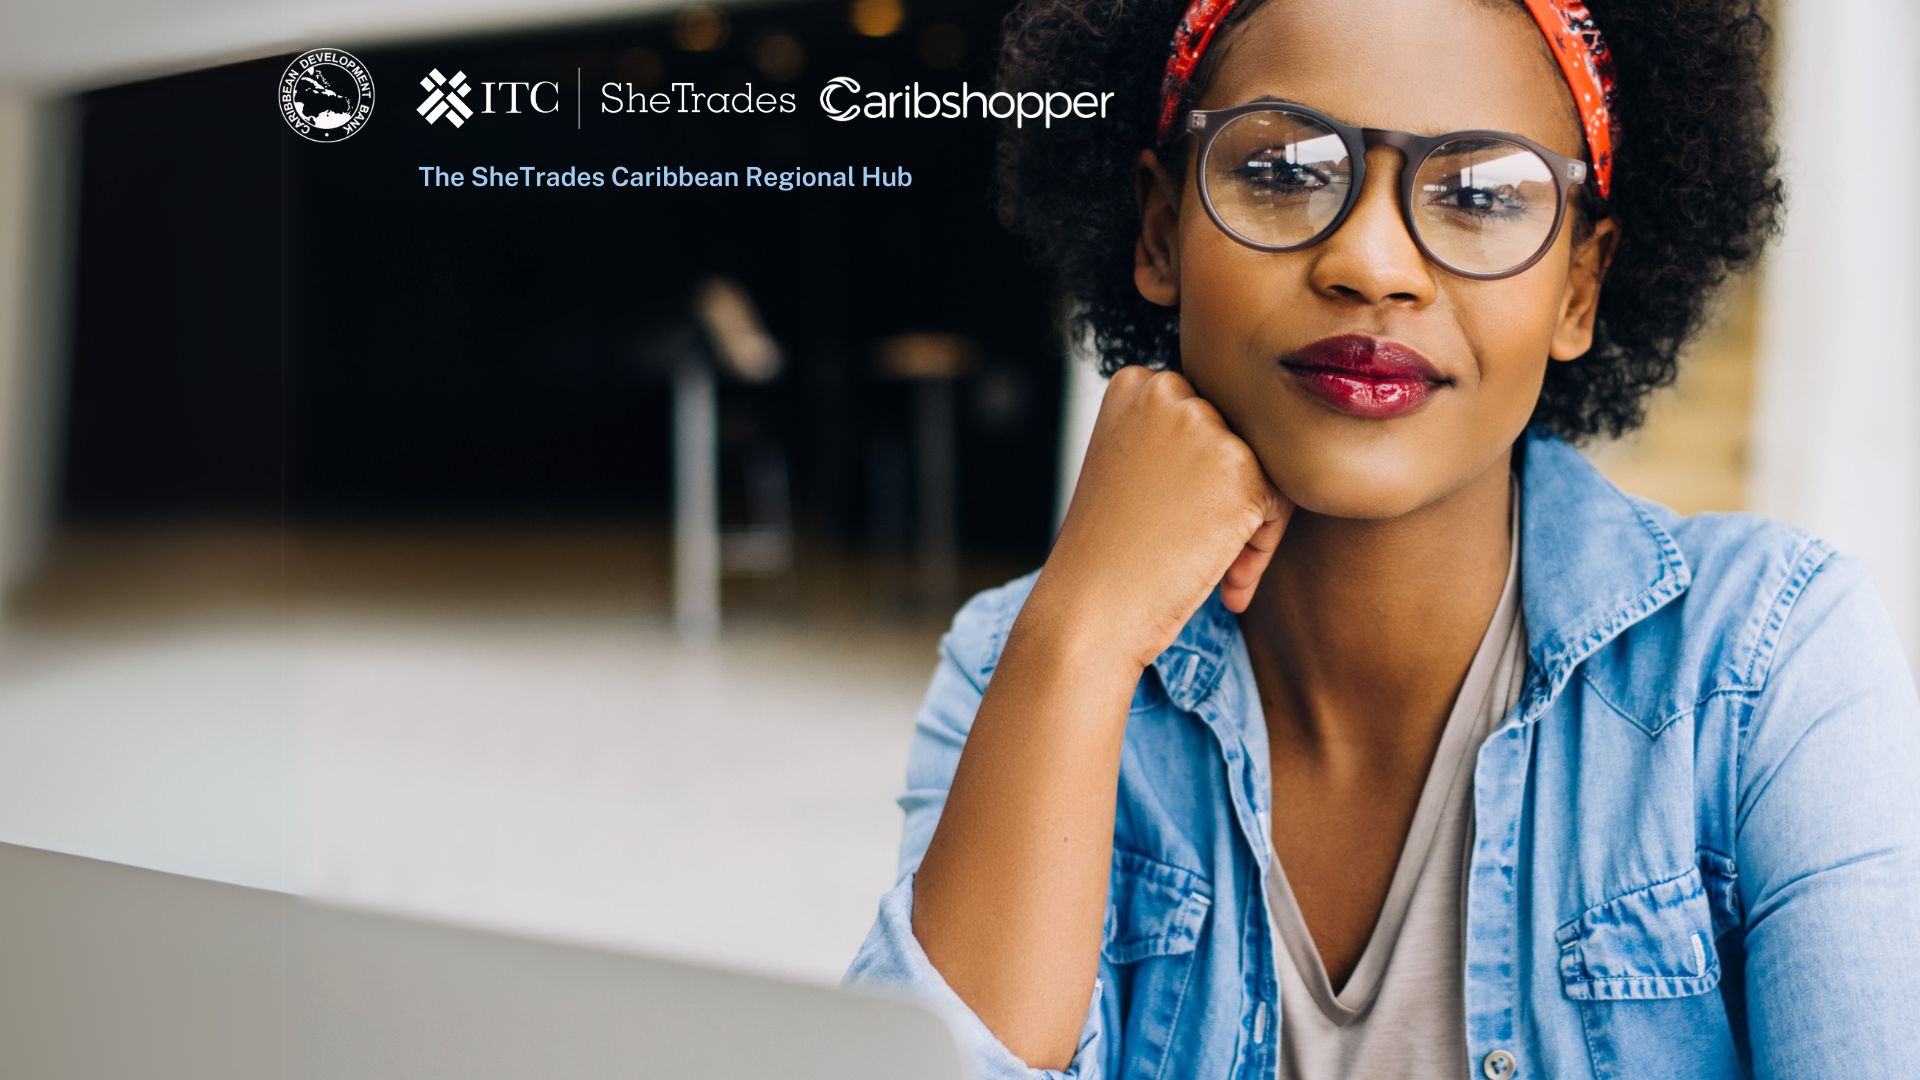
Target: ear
x,y
1156,255
1573,334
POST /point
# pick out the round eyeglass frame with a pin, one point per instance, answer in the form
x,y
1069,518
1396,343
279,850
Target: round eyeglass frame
x,y
1568,173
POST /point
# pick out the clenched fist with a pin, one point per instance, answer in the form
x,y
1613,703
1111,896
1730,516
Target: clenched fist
x,y
1169,503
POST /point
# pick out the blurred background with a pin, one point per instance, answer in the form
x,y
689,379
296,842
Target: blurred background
x,y
573,561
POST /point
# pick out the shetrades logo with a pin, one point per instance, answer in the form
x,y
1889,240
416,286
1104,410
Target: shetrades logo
x,y
446,97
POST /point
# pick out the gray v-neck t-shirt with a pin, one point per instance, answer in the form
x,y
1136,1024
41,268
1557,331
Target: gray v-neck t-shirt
x,y
1401,1011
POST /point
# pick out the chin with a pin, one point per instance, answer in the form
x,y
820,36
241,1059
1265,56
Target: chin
x,y
1376,484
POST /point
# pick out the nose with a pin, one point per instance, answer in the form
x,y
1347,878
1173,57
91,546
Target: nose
x,y
1371,257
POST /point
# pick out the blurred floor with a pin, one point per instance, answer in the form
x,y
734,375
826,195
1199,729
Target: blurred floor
x,y
487,727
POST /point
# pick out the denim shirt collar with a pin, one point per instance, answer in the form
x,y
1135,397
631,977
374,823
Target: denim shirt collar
x,y
1592,563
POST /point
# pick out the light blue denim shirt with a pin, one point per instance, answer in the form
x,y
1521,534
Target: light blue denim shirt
x,y
1697,850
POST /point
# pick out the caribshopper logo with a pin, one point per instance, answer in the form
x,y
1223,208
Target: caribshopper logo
x,y
837,88
843,99
326,95
446,97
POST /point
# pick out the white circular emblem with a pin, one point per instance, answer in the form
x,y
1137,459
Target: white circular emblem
x,y
326,95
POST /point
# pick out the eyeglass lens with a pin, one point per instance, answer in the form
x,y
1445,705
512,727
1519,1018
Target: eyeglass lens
x,y
1277,178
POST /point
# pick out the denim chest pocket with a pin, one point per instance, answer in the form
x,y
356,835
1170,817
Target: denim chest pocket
x,y
1156,913
1644,973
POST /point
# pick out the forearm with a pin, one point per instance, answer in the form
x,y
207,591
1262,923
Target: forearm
x,y
1010,898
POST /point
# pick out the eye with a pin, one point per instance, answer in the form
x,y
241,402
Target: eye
x,y
1486,181
1478,201
1270,170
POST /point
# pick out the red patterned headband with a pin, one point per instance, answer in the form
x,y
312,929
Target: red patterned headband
x,y
1584,60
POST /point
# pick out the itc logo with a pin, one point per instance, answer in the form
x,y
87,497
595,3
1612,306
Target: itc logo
x,y
446,97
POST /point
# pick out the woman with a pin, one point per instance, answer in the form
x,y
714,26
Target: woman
x,y
1355,725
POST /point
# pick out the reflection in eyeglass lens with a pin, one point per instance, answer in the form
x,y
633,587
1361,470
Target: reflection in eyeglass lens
x,y
1484,204
1277,178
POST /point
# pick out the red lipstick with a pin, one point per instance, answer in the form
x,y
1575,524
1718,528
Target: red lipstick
x,y
1364,376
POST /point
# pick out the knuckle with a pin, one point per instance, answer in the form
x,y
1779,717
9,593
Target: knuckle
x,y
1171,383
1197,407
1236,457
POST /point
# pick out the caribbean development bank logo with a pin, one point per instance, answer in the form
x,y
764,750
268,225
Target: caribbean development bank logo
x,y
326,95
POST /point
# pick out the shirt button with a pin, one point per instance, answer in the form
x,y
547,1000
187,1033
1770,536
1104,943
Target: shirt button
x,y
1499,1065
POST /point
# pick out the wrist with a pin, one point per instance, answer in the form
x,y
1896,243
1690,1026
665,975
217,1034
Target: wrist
x,y
1079,627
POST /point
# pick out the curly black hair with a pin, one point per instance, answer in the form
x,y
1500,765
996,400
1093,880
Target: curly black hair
x,y
1694,182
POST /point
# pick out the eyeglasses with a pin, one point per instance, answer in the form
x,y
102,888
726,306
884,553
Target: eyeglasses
x,y
1279,176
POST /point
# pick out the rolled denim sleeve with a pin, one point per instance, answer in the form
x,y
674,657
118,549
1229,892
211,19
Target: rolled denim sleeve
x,y
1828,838
891,956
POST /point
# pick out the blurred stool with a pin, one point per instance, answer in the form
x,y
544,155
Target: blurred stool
x,y
929,364
719,338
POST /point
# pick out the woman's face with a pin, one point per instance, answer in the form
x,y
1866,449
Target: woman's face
x,y
1427,67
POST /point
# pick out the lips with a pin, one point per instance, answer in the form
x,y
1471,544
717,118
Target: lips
x,y
1364,376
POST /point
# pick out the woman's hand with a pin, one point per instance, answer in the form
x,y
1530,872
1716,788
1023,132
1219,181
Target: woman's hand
x,y
1169,503
1009,901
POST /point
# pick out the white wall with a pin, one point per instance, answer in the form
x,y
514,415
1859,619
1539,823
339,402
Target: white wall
x,y
1079,406
1836,442
36,177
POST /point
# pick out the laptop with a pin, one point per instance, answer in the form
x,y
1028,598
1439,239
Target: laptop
x,y
114,971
